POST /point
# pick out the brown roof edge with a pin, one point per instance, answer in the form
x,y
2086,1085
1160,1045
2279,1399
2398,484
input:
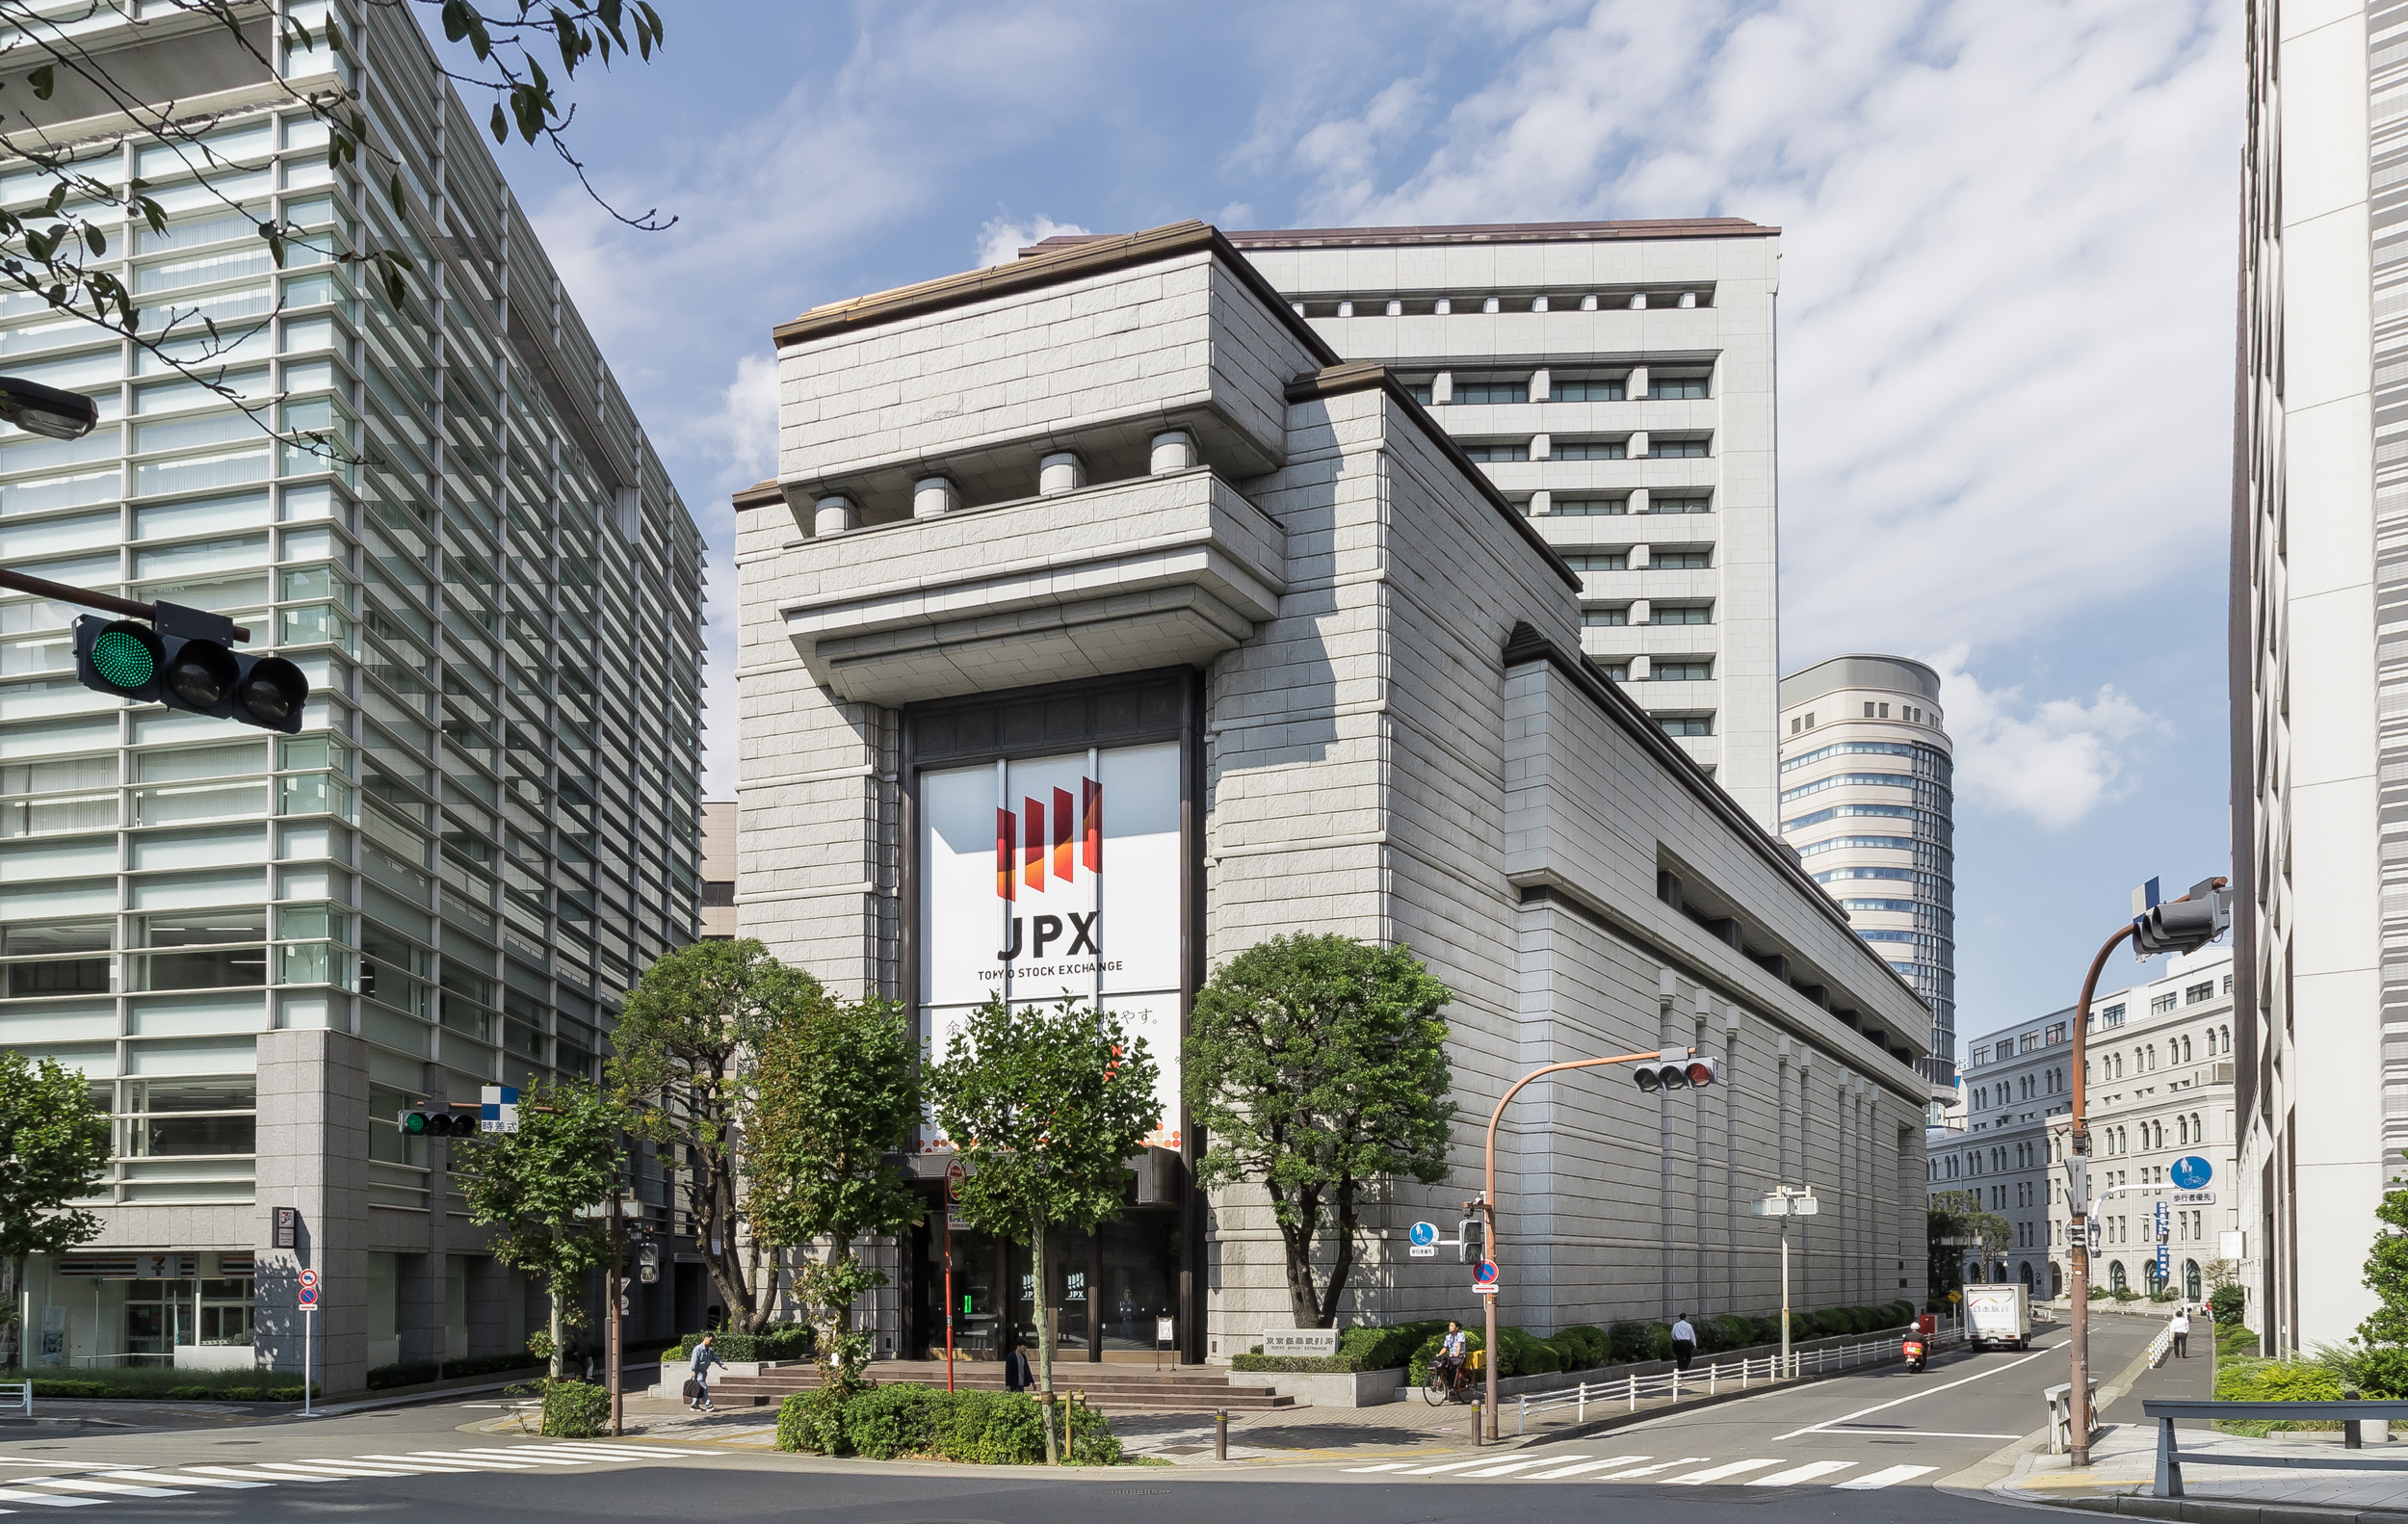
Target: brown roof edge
x,y
1088,257
1463,233
1364,376
760,494
1526,644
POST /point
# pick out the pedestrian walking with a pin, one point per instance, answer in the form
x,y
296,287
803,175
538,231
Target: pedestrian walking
x,y
1684,1342
1017,1377
2182,1331
699,1395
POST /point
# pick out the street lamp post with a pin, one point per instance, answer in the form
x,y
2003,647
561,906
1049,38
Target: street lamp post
x,y
1786,1202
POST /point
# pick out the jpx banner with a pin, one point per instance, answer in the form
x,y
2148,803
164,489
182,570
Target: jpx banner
x,y
1051,879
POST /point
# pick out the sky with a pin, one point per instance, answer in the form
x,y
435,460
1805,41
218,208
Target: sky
x,y
2005,346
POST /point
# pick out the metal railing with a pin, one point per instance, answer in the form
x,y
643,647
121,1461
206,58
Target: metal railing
x,y
2171,1460
1626,1392
18,1394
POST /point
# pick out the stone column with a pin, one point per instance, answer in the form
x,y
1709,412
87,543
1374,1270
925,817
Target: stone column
x,y
1635,384
1488,304
932,497
488,1306
1638,301
1542,446
1442,387
1588,303
1635,448
1060,472
313,1155
1541,383
1637,502
418,1293
1173,450
1543,503
1637,560
835,515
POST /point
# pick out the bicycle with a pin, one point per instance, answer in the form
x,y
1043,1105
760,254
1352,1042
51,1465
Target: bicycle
x,y
1446,1383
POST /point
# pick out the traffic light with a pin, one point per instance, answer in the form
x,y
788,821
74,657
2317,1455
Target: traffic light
x,y
184,658
2185,925
429,1122
1675,1069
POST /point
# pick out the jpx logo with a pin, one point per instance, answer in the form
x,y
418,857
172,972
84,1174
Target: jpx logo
x,y
1029,858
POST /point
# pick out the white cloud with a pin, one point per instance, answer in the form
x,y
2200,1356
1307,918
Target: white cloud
x,y
2055,760
743,432
1000,240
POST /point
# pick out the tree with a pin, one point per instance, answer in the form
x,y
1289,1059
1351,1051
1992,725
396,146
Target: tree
x,y
687,1044
1317,1066
72,63
1043,1107
2387,1272
539,1186
1960,1227
54,1149
836,1097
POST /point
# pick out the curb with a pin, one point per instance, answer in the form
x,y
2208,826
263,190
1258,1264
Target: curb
x,y
2221,1511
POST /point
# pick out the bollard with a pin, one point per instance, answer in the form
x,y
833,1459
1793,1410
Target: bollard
x,y
1634,1381
1479,1434
1220,1433
1522,1419
1582,1409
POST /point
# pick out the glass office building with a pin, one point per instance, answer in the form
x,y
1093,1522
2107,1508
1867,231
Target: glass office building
x,y
488,824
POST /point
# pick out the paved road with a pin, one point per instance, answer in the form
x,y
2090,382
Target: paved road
x,y
1867,1447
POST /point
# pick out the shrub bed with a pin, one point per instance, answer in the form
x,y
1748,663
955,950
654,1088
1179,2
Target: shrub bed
x,y
410,1373
575,1410
1302,1364
783,1341
137,1385
906,1418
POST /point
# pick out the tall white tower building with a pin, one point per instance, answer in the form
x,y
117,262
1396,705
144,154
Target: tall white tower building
x,y
1867,799
1615,381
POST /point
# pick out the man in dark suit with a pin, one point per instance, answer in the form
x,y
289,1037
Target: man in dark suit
x,y
1017,1377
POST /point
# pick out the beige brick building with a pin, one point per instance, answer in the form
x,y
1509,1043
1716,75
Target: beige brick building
x,y
1099,608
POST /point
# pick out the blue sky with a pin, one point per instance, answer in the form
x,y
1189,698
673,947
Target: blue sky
x,y
2006,305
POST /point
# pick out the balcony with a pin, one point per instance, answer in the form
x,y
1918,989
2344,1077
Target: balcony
x,y
1152,571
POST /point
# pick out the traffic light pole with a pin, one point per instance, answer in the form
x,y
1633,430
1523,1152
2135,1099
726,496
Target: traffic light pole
x,y
615,1286
105,602
1488,1201
2078,1142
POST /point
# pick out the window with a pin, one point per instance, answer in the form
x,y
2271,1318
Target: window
x,y
1664,672
1419,391
1620,671
1588,450
2164,1002
1675,388
2195,993
1590,505
2228,983
1795,725
1491,391
1585,389
1687,725
1498,452
2054,1034
1693,558
2112,1016
1685,613
1593,618
718,891
1680,505
1599,561
1690,449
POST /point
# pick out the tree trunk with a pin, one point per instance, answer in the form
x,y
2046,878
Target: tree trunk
x,y
13,1343
1044,1338
1344,1265
1297,1238
556,1326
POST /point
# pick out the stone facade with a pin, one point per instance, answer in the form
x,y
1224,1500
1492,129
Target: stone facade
x,y
1396,737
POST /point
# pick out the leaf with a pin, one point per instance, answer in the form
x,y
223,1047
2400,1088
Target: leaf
x,y
154,214
43,81
95,240
500,124
401,203
455,19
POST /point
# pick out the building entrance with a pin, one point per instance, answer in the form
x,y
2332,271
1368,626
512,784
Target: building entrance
x,y
1108,1293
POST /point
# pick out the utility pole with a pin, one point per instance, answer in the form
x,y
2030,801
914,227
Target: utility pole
x,y
614,1287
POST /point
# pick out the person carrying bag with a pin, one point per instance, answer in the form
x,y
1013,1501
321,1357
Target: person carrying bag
x,y
698,1385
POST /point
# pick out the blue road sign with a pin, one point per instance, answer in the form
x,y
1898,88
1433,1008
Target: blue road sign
x,y
1486,1272
2190,1172
1424,1234
309,1295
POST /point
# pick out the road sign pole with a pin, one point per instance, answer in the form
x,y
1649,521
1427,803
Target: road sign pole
x,y
309,1323
615,1331
2078,1142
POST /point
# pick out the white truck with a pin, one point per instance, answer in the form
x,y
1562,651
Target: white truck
x,y
1997,1316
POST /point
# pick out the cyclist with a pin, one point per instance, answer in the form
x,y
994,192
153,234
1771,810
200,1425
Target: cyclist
x,y
1450,1355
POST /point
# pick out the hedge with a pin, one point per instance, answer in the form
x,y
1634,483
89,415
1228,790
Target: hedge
x,y
2244,1381
782,1341
575,1410
139,1385
906,1418
410,1373
1302,1364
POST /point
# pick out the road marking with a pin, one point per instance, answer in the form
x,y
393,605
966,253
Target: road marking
x,y
109,1488
333,1470
1718,1473
615,1450
48,1500
253,1475
1511,1466
1909,1433
1392,1466
522,1455
1795,1475
465,1463
1882,1479
1649,1471
1583,1466
1927,1391
1451,1465
176,1475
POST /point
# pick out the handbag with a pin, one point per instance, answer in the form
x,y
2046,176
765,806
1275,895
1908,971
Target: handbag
x,y
694,1389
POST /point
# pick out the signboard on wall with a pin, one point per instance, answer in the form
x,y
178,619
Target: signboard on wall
x,y
1056,878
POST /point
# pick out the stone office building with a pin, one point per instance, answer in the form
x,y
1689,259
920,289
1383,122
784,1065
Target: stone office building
x,y
258,948
1097,586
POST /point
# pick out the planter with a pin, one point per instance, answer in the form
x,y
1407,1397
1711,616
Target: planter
x,y
1327,1388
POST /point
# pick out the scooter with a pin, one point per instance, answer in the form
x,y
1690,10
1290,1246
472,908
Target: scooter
x,y
1914,1348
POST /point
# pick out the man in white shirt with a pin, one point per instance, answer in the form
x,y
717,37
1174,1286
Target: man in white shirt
x,y
1450,1352
1684,1342
2182,1331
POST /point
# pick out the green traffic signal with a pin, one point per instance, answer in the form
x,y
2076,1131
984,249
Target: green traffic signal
x,y
123,658
413,1121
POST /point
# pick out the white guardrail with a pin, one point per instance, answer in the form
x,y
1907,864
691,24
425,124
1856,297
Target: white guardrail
x,y
2157,1346
18,1394
1707,1380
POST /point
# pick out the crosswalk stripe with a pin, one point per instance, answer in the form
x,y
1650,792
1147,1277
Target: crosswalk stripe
x,y
1451,1465
123,1490
455,1457
577,1452
254,1475
178,1477
48,1500
1723,1472
1511,1466
337,1470
1390,1466
368,1469
616,1451
1805,1473
1649,1471
1583,1468
1883,1479
527,1455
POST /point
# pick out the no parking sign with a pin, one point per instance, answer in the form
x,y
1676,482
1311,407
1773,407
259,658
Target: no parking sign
x,y
310,1290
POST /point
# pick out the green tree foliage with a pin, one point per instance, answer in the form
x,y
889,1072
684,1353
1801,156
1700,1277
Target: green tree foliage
x,y
687,1046
1043,1106
836,1099
538,1188
1960,1215
54,1149
1316,1065
2387,1272
57,250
